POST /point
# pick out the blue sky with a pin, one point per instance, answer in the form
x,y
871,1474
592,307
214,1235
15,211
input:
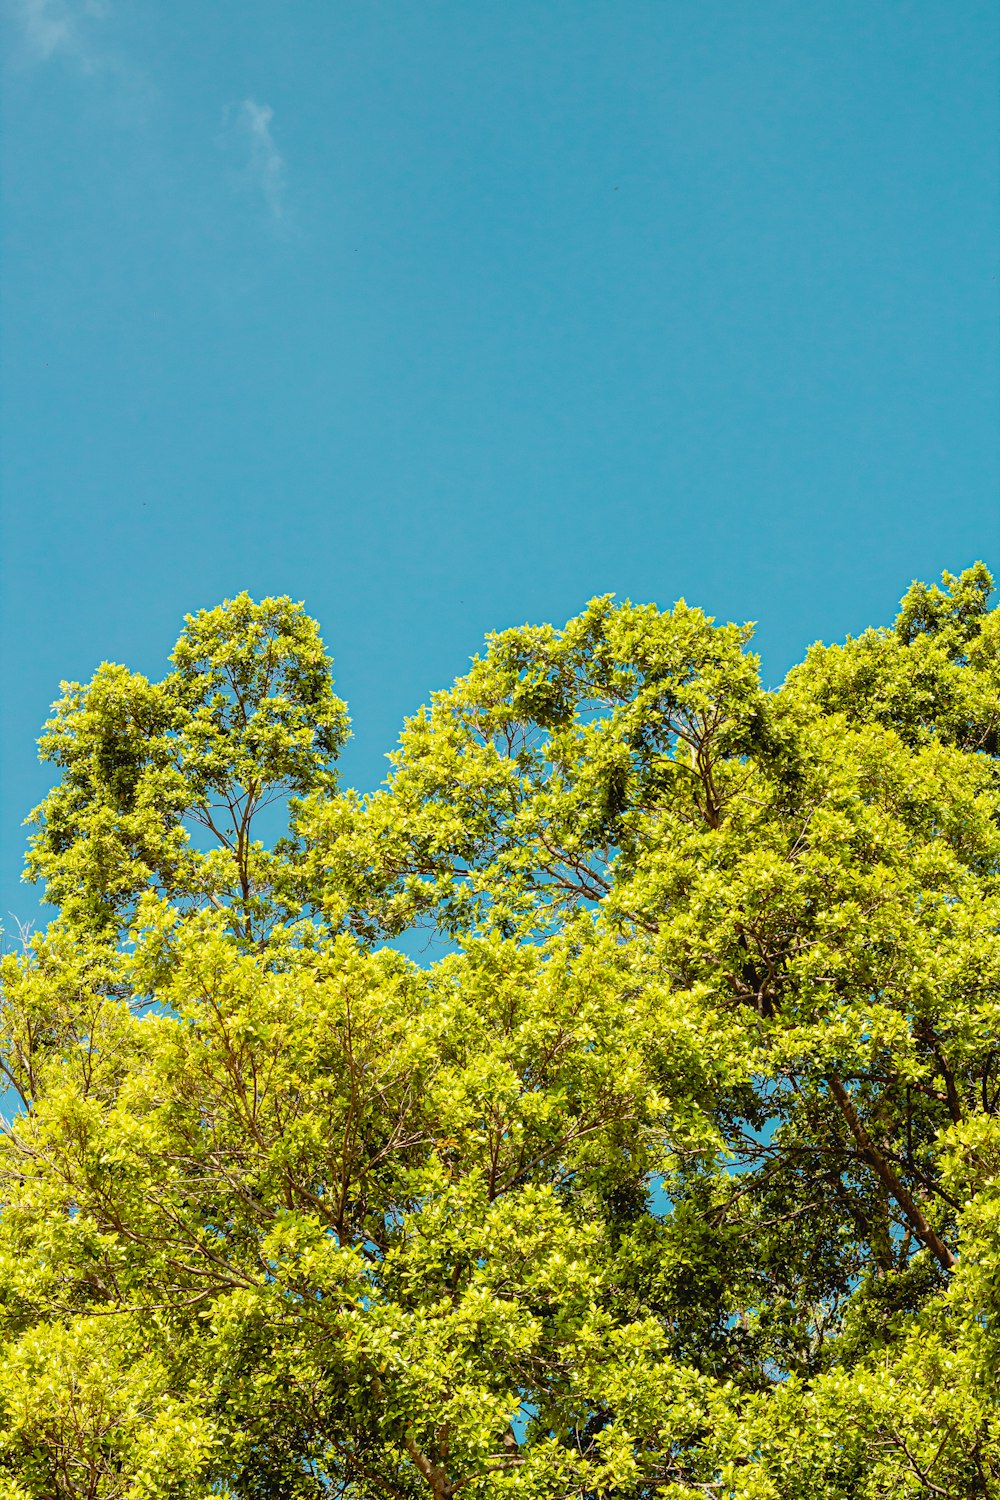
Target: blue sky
x,y
443,317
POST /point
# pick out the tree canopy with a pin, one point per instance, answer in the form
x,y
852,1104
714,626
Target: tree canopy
x,y
675,1172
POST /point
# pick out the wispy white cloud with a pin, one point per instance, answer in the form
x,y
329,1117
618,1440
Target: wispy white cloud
x,y
247,129
57,28
75,32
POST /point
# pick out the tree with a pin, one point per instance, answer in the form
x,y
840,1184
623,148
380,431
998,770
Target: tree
x,y
677,1172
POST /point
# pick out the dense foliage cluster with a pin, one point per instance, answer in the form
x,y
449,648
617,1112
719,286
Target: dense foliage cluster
x,y
676,1171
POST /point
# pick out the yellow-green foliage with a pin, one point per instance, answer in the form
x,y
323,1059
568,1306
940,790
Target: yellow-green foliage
x,y
676,1171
